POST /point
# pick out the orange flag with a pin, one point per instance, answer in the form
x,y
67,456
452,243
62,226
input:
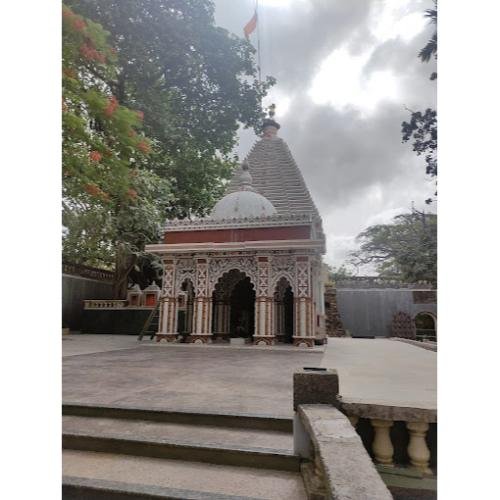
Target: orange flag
x,y
250,26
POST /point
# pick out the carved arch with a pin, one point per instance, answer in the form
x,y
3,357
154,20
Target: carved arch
x,y
220,266
232,282
186,269
287,276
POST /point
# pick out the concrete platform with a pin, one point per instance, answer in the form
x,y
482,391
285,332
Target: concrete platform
x,y
109,369
223,479
384,372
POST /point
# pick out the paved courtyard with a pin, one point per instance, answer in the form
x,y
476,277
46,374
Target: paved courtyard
x,y
217,379
384,371
112,369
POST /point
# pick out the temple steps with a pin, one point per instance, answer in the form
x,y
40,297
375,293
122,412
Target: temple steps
x,y
245,421
91,475
182,436
117,452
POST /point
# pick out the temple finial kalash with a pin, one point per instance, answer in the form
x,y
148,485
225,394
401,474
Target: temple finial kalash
x,y
246,177
270,127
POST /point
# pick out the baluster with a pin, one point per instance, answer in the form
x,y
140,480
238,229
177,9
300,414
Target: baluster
x,y
418,450
382,445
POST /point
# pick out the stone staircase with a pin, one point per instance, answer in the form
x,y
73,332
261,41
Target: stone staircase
x,y
112,452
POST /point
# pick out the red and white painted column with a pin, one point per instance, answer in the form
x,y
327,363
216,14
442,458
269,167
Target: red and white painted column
x,y
167,326
304,310
264,334
202,314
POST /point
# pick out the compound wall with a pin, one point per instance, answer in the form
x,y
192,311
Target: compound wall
x,y
369,312
75,290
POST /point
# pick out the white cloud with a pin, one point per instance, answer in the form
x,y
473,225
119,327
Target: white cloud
x,y
281,100
386,216
341,83
397,18
279,3
345,71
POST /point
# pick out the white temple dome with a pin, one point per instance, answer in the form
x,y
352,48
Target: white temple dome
x,y
244,203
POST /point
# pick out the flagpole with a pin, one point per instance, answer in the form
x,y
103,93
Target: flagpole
x,y
258,40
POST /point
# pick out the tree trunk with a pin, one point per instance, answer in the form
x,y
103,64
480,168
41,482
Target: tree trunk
x,y
125,262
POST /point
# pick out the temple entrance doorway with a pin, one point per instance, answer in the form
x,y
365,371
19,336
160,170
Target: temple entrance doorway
x,y
185,309
425,326
233,306
284,311
242,302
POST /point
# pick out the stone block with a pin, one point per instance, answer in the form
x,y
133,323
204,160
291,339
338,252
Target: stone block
x,y
237,341
315,386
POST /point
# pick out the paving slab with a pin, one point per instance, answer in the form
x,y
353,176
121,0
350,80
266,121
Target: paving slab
x,y
384,372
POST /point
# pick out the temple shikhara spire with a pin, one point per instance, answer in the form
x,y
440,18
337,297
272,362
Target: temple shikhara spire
x,y
252,269
275,173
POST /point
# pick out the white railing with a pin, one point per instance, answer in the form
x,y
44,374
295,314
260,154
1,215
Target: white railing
x,y
401,440
104,304
417,422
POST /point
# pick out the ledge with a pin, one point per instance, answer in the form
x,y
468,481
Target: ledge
x,y
172,248
209,223
387,412
429,346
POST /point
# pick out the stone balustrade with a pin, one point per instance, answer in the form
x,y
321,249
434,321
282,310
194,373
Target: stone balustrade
x,y
395,434
336,463
390,435
104,304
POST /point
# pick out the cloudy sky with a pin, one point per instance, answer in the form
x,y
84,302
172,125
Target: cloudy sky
x,y
345,70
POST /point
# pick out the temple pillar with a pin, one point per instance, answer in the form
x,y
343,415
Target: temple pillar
x,y
319,276
263,305
303,305
167,325
279,320
189,316
202,313
226,319
221,310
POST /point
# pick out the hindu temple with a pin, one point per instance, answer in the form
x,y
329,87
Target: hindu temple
x,y
252,269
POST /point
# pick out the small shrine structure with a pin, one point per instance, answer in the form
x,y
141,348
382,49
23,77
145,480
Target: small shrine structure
x,y
253,267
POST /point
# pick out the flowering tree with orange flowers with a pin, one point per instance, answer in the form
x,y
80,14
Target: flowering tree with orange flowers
x,y
196,83
113,201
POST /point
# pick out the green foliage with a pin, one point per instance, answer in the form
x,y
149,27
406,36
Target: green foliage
x,y
195,83
430,48
422,127
340,273
111,195
153,94
405,249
